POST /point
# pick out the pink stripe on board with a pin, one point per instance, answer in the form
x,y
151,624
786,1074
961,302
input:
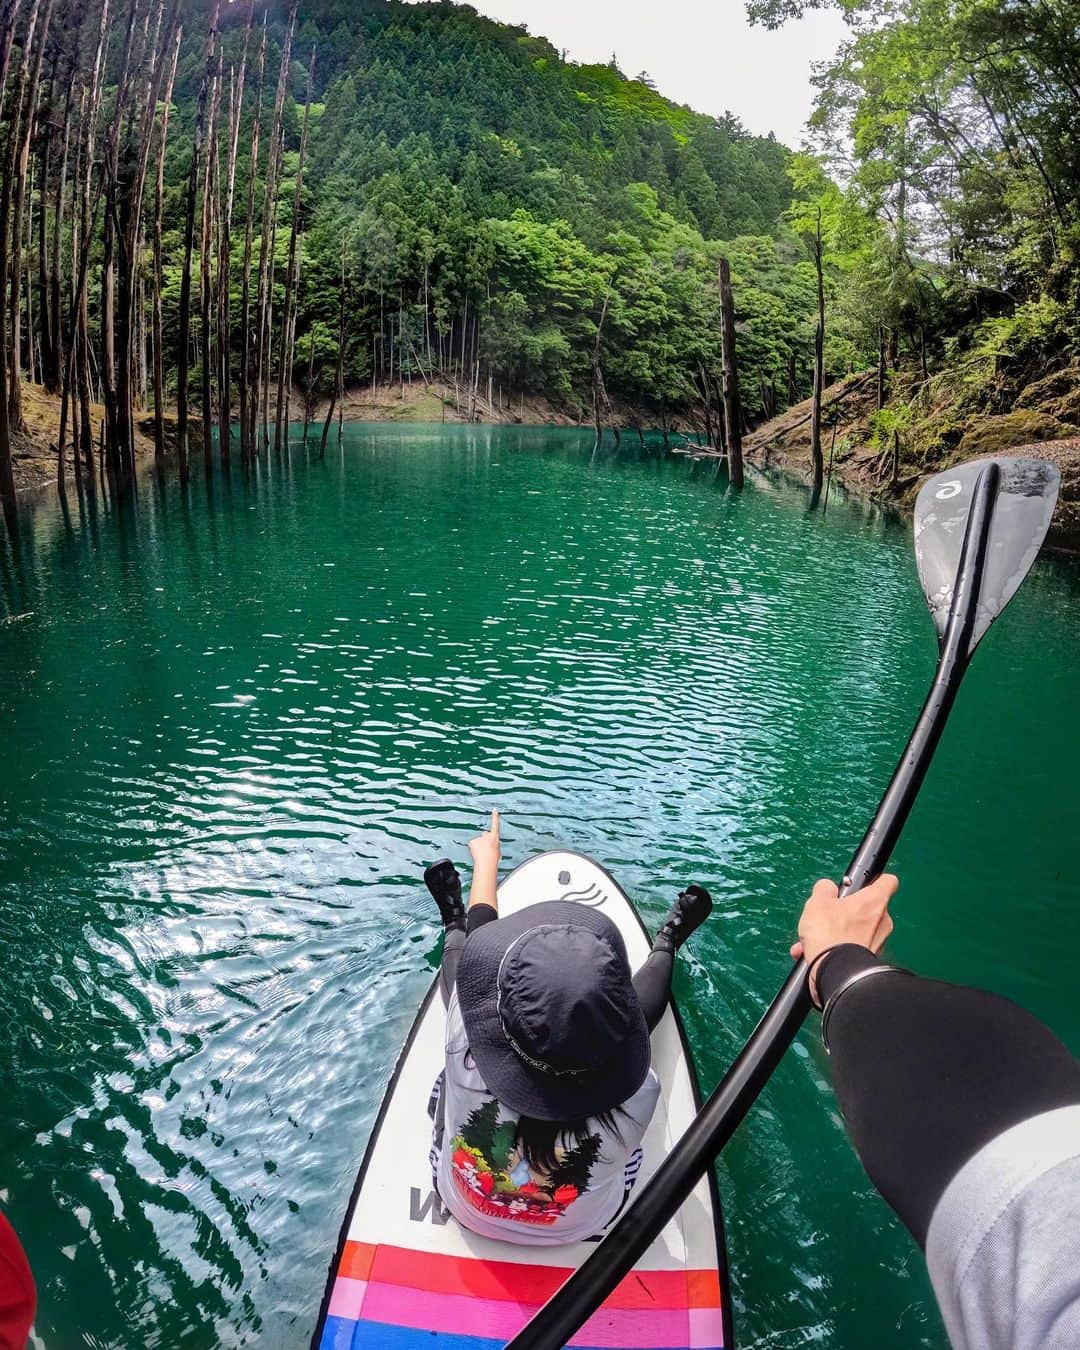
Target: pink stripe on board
x,y
501,1319
706,1328
635,1329
347,1298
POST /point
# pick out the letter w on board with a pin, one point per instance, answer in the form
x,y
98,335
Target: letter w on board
x,y
420,1208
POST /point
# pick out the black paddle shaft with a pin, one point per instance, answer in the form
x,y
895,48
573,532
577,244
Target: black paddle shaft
x,y
713,1126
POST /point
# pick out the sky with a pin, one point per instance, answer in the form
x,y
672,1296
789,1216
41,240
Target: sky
x,y
700,52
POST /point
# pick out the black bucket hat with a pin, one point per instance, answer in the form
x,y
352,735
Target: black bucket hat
x,y
550,1011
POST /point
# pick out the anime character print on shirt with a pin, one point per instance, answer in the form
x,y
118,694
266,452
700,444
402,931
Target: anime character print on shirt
x,y
492,1174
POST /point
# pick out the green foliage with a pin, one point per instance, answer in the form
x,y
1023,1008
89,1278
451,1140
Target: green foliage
x,y
1029,328
895,419
489,195
953,124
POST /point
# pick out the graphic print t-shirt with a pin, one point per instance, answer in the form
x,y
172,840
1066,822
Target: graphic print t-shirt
x,y
490,1188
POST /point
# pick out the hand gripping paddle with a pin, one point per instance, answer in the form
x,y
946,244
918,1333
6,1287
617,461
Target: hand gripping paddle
x,y
978,528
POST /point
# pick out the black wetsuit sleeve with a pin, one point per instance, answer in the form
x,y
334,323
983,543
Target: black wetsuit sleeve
x,y
927,1073
478,915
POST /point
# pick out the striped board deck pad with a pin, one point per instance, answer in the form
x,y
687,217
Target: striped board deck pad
x,y
406,1276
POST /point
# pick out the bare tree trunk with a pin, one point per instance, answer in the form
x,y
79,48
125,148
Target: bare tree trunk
x,y
26,132
310,385
7,192
601,402
292,273
273,164
817,464
114,436
205,254
56,267
8,15
732,406
341,348
49,373
142,382
268,328
77,385
329,419
339,375
156,340
128,198
246,448
31,367
236,102
183,354
290,351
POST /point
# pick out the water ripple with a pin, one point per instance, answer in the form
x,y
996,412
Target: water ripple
x,y
238,727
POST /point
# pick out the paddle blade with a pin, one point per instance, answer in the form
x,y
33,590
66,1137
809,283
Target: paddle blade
x,y
1026,496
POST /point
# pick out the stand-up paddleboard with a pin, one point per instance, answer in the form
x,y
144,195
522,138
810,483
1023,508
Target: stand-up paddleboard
x,y
406,1276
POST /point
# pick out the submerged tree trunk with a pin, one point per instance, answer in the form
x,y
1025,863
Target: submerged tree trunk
x,y
817,465
329,420
339,387
246,448
732,408
156,342
78,383
236,103
269,220
22,164
45,327
292,275
129,195
310,385
601,402
183,352
7,193
56,264
205,280
112,239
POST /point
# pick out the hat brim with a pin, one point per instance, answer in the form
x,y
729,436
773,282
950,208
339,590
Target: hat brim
x,y
527,1090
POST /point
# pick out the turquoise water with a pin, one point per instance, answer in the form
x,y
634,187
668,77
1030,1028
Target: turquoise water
x,y
238,724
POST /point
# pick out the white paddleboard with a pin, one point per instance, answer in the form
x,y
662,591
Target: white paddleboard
x,y
406,1276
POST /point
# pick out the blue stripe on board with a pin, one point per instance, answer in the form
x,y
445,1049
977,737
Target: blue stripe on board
x,y
342,1333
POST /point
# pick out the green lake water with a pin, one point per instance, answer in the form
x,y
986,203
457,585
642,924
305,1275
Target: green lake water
x,y
237,724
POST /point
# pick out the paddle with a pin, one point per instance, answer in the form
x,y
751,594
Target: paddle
x,y
978,528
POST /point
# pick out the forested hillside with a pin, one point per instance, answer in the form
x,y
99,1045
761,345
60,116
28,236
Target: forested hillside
x,y
212,205
493,197
242,211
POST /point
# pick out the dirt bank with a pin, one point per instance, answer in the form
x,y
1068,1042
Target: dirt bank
x,y
1044,422
34,452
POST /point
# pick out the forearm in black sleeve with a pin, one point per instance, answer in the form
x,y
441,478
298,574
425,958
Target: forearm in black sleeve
x,y
926,1073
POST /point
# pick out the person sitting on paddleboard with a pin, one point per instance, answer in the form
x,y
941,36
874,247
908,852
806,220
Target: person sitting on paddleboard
x,y
965,1111
548,1089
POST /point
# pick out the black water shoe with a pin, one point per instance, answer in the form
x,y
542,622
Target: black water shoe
x,y
689,912
444,883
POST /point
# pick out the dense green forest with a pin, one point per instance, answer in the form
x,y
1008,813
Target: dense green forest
x,y
472,206
946,188
236,208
